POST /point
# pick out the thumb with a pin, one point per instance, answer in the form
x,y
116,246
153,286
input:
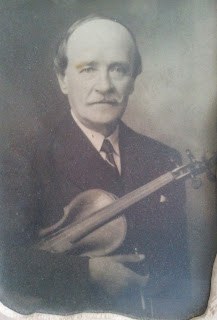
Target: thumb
x,y
128,258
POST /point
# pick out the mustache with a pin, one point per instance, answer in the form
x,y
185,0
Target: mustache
x,y
106,101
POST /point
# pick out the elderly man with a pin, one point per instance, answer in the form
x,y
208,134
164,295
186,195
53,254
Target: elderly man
x,y
97,63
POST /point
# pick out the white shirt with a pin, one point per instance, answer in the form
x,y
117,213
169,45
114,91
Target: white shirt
x,y
97,139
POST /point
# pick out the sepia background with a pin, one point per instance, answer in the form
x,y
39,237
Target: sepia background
x,y
174,101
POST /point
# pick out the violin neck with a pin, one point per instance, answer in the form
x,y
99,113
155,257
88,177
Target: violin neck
x,y
111,211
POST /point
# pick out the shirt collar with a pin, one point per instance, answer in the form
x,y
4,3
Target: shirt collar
x,y
97,138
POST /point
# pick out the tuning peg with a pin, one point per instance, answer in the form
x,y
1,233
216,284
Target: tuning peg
x,y
190,156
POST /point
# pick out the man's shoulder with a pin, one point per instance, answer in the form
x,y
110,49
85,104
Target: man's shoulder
x,y
144,144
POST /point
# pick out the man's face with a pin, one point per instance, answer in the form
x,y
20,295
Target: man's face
x,y
98,79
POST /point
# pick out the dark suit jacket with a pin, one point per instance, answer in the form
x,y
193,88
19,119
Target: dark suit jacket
x,y
40,179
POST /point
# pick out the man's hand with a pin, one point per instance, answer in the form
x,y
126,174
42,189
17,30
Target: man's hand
x,y
111,274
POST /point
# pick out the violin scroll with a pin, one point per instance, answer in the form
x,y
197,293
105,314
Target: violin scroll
x,y
195,181
197,167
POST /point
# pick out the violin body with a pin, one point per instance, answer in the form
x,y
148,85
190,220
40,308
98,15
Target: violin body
x,y
102,241
93,224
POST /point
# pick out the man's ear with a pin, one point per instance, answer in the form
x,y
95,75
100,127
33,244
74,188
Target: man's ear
x,y
62,79
131,86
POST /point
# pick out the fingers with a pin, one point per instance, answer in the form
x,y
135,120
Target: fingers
x,y
113,276
128,258
133,278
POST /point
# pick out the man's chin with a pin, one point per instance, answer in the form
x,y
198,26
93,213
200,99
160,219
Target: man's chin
x,y
105,113
103,125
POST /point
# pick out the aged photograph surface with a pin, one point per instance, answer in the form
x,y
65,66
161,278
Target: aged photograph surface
x,y
107,162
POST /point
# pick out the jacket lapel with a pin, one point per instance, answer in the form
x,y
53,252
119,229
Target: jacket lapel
x,y
135,163
78,164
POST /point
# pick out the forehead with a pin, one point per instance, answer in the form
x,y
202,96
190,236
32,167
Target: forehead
x,y
100,39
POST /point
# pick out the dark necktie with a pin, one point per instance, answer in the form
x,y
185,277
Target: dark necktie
x,y
109,151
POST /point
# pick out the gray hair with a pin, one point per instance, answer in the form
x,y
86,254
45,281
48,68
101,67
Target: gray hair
x,y
61,60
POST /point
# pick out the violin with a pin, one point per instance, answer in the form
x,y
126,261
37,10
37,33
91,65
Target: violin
x,y
99,226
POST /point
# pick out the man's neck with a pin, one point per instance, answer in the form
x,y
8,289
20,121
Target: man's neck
x,y
96,139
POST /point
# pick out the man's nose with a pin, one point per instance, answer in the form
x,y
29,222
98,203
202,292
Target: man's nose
x,y
104,83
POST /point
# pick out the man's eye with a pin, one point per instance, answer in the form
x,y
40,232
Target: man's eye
x,y
87,70
118,70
